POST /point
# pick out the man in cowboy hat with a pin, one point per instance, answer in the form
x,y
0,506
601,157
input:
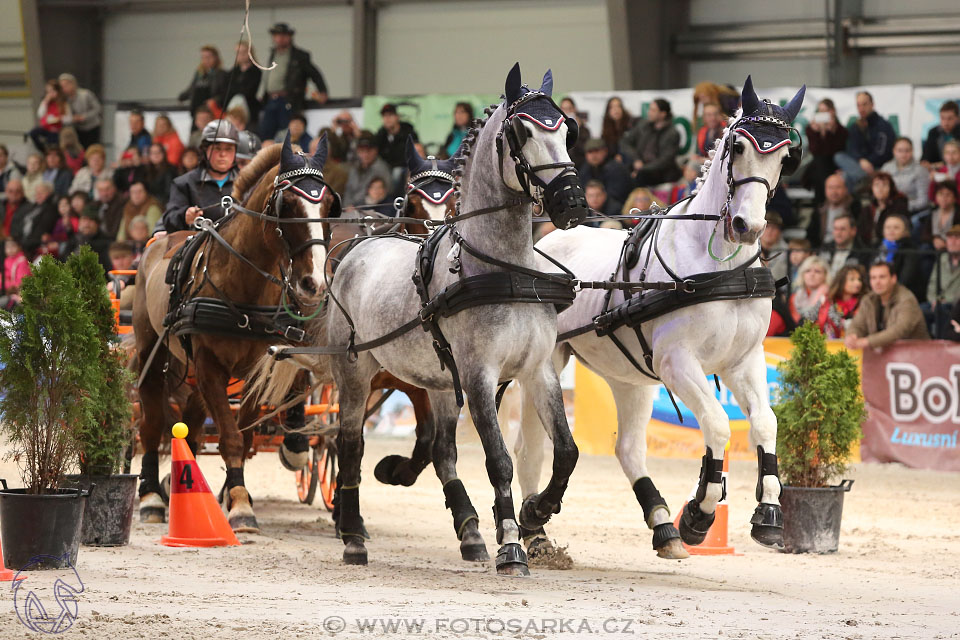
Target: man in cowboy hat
x,y
284,88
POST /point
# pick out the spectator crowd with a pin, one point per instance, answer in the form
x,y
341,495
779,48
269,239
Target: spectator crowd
x,y
873,256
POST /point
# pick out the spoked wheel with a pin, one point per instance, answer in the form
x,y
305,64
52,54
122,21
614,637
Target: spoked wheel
x,y
326,470
307,479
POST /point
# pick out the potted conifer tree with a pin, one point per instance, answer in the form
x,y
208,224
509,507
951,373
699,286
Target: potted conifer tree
x,y
819,413
49,354
109,513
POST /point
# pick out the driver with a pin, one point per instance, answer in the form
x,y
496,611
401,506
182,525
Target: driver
x,y
205,185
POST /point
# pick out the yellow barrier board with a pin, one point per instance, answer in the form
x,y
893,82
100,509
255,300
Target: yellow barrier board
x,y
595,414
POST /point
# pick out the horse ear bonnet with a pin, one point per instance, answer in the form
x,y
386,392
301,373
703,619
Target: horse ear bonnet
x,y
767,126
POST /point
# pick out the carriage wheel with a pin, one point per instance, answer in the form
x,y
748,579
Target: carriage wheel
x,y
327,471
307,479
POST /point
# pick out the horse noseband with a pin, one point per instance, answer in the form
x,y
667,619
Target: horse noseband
x,y
565,201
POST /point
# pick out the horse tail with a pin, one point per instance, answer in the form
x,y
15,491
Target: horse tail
x,y
270,380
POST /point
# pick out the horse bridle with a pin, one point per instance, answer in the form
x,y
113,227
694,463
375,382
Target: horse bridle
x,y
289,180
419,180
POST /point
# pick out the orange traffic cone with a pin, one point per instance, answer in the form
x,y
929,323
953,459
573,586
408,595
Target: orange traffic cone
x,y
7,575
716,542
195,517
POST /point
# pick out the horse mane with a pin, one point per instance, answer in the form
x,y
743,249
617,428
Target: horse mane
x,y
463,156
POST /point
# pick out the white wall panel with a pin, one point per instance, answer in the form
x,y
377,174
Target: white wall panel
x,y
152,56
469,46
766,73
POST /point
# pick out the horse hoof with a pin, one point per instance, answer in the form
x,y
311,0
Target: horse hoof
x,y
395,470
512,560
151,509
354,551
293,460
543,553
529,517
767,527
667,544
240,516
694,524
473,548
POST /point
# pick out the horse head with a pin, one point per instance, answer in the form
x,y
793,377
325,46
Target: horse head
x,y
752,156
533,145
305,195
430,188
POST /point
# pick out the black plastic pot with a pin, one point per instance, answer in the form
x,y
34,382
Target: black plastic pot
x,y
109,513
811,518
41,525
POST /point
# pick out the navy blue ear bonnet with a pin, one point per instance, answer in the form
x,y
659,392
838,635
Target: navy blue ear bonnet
x,y
766,125
303,174
429,178
536,106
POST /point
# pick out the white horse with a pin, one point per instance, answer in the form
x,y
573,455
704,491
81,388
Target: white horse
x,y
723,337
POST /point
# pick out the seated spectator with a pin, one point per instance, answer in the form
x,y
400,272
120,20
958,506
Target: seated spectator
x,y
943,289
706,92
141,204
462,117
237,117
377,198
869,144
838,202
78,202
781,322
30,227
16,204
846,248
391,141
122,258
805,303
654,144
138,234
189,160
949,129
243,84
898,248
342,137
33,176
598,201
201,118
886,201
16,267
909,176
826,137
72,151
616,122
298,132
773,250
640,198
157,175
8,172
209,83
798,250
688,182
110,203
139,136
887,314
367,166
89,234
64,228
842,301
85,114
609,171
96,169
578,154
932,226
128,171
50,116
711,131
949,169
164,134
56,172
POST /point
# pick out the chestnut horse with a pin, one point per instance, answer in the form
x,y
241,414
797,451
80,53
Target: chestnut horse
x,y
267,260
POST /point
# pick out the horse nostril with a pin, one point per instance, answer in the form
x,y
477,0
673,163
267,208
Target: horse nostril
x,y
739,224
308,284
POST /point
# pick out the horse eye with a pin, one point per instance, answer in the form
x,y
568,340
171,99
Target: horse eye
x,y
738,148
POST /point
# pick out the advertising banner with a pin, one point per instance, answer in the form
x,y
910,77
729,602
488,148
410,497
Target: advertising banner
x,y
926,110
912,391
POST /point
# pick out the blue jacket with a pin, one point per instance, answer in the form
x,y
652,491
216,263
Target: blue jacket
x,y
875,143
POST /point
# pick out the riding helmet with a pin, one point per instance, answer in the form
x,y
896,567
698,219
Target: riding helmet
x,y
248,146
219,131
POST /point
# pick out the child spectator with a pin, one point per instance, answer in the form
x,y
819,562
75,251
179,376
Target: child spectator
x,y
78,202
189,160
15,269
949,170
157,175
942,217
66,224
34,175
72,151
56,172
166,135
122,259
805,303
910,178
842,301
